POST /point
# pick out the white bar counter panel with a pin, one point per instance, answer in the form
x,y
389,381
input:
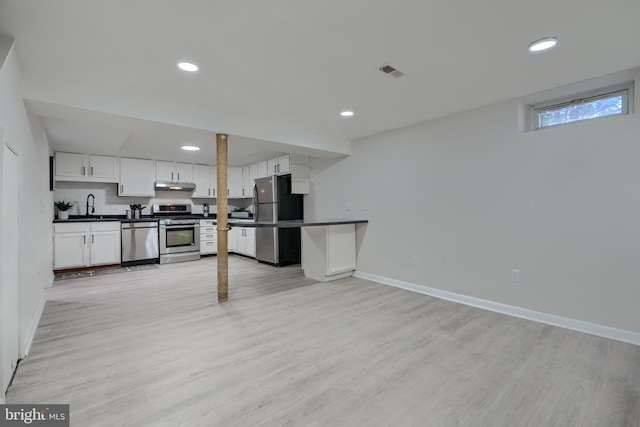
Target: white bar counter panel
x,y
329,252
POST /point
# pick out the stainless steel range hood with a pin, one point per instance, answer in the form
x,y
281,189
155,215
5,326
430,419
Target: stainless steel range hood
x,y
174,186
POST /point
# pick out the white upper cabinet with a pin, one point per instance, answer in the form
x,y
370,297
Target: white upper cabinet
x,y
234,182
172,171
283,164
103,168
85,167
206,180
246,177
272,166
202,179
249,175
185,172
137,177
253,175
263,169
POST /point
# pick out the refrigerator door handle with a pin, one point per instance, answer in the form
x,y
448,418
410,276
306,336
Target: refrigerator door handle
x,y
255,202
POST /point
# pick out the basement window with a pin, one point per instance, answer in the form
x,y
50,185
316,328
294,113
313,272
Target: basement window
x,y
606,102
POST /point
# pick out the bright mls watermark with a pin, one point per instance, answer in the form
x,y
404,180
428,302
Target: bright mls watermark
x,y
34,415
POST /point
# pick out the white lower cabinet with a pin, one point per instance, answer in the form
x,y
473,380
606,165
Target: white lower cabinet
x,y
208,237
246,241
70,248
232,240
240,240
81,244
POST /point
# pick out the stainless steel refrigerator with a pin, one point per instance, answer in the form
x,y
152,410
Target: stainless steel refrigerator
x,y
274,202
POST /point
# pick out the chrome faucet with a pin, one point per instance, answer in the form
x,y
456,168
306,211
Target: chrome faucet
x,y
93,204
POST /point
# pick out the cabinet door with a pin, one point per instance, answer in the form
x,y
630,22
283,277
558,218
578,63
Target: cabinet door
x,y
263,169
272,168
70,250
341,248
283,164
136,177
71,165
234,182
246,182
213,180
232,239
250,241
103,168
201,176
166,171
184,172
208,247
253,174
241,245
105,247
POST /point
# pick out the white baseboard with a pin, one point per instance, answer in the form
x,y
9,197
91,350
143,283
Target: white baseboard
x,y
34,326
524,313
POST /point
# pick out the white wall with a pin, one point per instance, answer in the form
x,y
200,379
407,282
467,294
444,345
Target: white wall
x,y
26,134
473,198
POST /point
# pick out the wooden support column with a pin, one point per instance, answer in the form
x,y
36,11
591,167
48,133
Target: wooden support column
x,y
221,209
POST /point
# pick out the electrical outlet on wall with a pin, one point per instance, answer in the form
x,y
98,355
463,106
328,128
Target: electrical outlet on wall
x,y
347,206
515,276
414,260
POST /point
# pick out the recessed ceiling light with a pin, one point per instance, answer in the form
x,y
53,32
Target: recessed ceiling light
x,y
543,44
188,66
346,113
190,148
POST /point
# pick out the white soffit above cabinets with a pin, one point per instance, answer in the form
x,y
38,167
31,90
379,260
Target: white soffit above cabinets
x,y
281,71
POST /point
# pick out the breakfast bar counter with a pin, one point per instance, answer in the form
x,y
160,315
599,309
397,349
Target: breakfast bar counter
x,y
328,246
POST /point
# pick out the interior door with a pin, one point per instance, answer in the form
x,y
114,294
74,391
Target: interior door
x,y
10,262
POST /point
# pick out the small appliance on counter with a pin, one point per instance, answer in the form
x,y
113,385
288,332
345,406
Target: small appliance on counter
x,y
205,210
241,214
136,211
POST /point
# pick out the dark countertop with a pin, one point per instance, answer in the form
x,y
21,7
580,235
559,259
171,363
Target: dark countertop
x,y
300,223
235,222
123,218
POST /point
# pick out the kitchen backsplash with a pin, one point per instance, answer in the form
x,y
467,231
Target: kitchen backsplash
x,y
109,203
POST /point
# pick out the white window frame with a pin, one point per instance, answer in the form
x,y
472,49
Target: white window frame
x,y
626,90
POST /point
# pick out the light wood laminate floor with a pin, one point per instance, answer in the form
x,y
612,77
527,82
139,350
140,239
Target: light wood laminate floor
x,y
154,348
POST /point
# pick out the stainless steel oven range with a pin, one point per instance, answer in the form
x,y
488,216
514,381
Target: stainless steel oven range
x,y
179,233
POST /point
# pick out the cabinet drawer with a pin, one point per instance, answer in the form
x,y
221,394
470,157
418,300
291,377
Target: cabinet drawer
x,y
208,247
207,237
105,226
207,230
207,223
70,227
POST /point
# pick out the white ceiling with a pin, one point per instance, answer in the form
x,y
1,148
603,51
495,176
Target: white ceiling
x,y
103,73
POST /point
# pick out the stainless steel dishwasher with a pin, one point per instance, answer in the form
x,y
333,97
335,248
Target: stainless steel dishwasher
x,y
140,243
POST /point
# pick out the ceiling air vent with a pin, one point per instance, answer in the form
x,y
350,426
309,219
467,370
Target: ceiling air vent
x,y
388,69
